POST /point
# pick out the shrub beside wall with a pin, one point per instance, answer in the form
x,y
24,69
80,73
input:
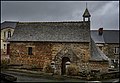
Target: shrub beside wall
x,y
72,70
4,62
48,69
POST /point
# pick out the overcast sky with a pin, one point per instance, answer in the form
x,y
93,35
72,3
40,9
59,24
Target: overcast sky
x,y
103,13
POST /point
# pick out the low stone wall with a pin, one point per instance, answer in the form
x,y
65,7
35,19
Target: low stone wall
x,y
99,65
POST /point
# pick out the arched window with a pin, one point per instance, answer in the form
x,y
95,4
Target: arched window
x,y
9,34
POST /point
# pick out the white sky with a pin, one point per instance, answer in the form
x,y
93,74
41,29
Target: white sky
x,y
103,13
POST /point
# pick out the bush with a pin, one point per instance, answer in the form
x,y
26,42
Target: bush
x,y
72,70
48,69
34,66
4,62
57,72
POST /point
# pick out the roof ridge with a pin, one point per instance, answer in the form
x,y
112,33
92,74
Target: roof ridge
x,y
105,30
54,22
111,30
11,21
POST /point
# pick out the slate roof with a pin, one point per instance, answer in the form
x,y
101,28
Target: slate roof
x,y
51,31
86,13
9,24
96,53
111,36
96,37
108,36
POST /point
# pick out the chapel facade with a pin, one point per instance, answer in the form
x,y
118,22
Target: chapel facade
x,y
40,43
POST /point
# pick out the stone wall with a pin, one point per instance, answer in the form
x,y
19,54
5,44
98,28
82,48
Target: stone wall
x,y
109,49
99,65
41,54
81,50
44,53
76,52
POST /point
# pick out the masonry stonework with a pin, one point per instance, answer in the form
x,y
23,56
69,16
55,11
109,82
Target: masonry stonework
x,y
99,65
40,43
41,54
44,53
109,50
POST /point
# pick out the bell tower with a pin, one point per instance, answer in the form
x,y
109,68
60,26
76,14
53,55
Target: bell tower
x,y
86,15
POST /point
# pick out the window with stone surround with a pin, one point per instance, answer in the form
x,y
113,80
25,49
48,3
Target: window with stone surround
x,y
4,46
8,48
30,51
9,34
4,35
116,50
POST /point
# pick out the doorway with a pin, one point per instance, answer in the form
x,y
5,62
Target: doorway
x,y
8,49
63,66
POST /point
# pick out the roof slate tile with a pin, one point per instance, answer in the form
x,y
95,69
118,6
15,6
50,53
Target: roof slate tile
x,y
51,31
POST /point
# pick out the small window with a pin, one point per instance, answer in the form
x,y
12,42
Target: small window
x,y
9,34
29,50
8,49
86,19
4,35
116,51
4,46
101,48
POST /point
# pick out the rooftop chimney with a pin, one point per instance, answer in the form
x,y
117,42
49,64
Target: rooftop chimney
x,y
100,31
